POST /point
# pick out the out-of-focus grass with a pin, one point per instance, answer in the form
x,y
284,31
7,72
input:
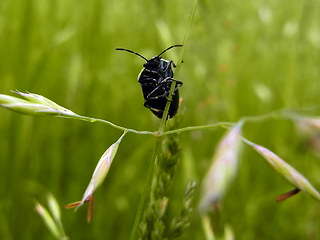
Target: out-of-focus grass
x,y
242,58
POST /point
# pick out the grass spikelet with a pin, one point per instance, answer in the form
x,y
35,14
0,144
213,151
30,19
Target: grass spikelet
x,y
309,123
33,104
181,222
98,177
286,171
51,217
223,168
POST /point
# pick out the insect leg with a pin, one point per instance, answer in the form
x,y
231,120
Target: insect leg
x,y
162,90
169,65
151,108
153,91
156,93
170,79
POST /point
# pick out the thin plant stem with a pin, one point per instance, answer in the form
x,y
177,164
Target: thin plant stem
x,y
263,117
161,130
156,153
146,189
89,119
284,113
186,36
158,133
200,127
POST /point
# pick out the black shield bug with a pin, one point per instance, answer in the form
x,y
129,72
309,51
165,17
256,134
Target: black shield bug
x,y
155,80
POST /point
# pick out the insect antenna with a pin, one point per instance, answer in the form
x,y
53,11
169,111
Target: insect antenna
x,y
127,50
179,45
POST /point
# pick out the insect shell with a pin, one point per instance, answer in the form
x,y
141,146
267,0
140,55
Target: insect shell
x,y
155,80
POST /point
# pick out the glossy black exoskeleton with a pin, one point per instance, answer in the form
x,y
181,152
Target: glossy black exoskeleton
x,y
155,80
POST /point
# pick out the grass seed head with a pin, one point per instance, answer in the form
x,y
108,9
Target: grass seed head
x,y
287,171
98,176
33,104
223,168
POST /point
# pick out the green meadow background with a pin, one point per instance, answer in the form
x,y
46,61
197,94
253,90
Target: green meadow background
x,y
242,58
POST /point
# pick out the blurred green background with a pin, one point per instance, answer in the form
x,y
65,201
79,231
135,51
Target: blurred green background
x,y
243,58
